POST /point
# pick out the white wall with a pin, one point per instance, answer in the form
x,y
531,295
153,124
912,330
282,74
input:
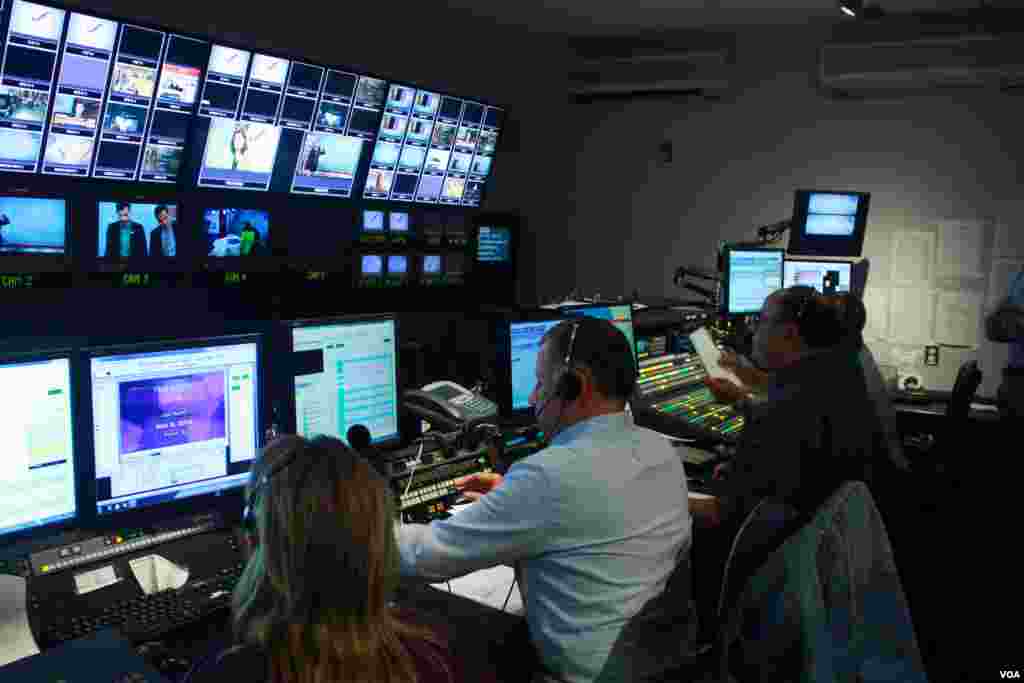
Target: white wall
x,y
949,155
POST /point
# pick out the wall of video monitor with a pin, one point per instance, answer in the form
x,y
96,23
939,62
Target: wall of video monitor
x,y
88,96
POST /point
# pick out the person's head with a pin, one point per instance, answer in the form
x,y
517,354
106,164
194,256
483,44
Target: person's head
x,y
585,368
162,214
852,315
794,322
124,212
323,566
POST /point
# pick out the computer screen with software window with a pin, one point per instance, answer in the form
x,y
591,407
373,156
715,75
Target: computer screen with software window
x,y
752,275
173,422
37,470
524,340
620,316
813,273
346,374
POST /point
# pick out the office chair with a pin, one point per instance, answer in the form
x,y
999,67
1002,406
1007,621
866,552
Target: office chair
x,y
968,379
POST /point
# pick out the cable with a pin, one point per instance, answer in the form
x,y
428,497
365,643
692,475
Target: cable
x,y
509,595
449,586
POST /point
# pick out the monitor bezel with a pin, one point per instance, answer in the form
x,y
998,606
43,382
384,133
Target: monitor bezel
x,y
9,357
28,262
225,499
850,262
802,244
728,275
290,419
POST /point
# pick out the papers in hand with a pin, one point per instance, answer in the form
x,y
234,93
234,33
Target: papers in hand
x,y
710,354
155,573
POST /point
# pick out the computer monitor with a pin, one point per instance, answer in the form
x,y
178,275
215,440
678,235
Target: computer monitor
x,y
494,244
33,225
236,232
751,276
126,229
828,223
814,273
37,470
371,266
346,373
373,221
398,266
524,345
173,421
619,315
399,222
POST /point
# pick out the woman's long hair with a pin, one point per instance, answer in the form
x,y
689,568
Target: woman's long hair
x,y
314,595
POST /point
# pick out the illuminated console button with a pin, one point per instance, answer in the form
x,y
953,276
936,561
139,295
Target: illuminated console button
x,y
45,568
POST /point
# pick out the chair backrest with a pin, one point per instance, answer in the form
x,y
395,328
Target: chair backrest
x,y
968,379
762,532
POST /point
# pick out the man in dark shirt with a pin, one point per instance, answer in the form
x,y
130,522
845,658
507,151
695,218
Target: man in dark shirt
x,y
125,237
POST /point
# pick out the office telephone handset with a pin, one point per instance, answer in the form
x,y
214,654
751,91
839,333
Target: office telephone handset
x,y
449,405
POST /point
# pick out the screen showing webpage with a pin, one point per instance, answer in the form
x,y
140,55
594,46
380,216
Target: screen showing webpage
x,y
525,345
173,424
37,470
346,375
620,316
753,276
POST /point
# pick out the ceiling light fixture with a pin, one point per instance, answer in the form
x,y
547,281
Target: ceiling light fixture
x,y
851,8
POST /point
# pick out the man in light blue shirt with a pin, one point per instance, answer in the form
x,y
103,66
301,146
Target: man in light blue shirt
x,y
1006,325
597,523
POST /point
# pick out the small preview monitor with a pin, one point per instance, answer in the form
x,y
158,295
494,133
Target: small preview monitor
x,y
621,316
494,244
37,471
371,266
524,339
134,230
399,222
751,276
33,225
430,266
373,221
346,373
236,232
173,421
822,275
398,266
828,223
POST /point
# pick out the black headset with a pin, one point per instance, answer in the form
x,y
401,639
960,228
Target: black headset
x,y
253,497
568,387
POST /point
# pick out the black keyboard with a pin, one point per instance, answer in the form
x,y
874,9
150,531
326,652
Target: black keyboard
x,y
150,617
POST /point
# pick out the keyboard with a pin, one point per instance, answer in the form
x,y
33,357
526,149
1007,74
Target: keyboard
x,y
150,617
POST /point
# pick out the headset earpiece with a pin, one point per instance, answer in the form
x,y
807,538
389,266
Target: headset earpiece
x,y
569,385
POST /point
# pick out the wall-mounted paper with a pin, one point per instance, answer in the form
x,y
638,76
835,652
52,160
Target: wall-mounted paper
x,y
912,255
999,280
910,315
16,639
960,249
958,318
876,301
878,248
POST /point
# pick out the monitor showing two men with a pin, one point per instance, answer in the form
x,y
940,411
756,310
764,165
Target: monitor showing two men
x,y
37,470
752,276
346,374
173,423
814,274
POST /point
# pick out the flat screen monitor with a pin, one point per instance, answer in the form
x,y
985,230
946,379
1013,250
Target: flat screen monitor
x,y
751,276
828,223
398,265
431,265
373,221
346,373
524,340
399,222
494,244
37,471
236,232
132,230
620,316
813,274
32,225
173,421
371,265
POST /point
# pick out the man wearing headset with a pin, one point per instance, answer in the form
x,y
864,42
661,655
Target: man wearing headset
x,y
597,523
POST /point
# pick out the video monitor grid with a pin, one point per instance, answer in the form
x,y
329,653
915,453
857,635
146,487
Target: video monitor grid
x,y
28,72
403,148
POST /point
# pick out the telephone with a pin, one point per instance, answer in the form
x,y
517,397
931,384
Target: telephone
x,y
448,405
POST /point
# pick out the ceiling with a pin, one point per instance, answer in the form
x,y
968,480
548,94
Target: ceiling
x,y
590,17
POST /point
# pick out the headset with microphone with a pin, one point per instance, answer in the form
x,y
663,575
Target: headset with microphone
x,y
568,385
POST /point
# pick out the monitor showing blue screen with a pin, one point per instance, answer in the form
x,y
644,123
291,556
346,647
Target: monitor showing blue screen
x,y
752,276
372,264
236,232
493,245
347,376
173,423
812,274
431,264
620,316
373,221
31,225
832,214
525,345
37,471
397,264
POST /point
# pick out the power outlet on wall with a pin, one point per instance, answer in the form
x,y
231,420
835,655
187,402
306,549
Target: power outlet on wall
x,y
931,355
